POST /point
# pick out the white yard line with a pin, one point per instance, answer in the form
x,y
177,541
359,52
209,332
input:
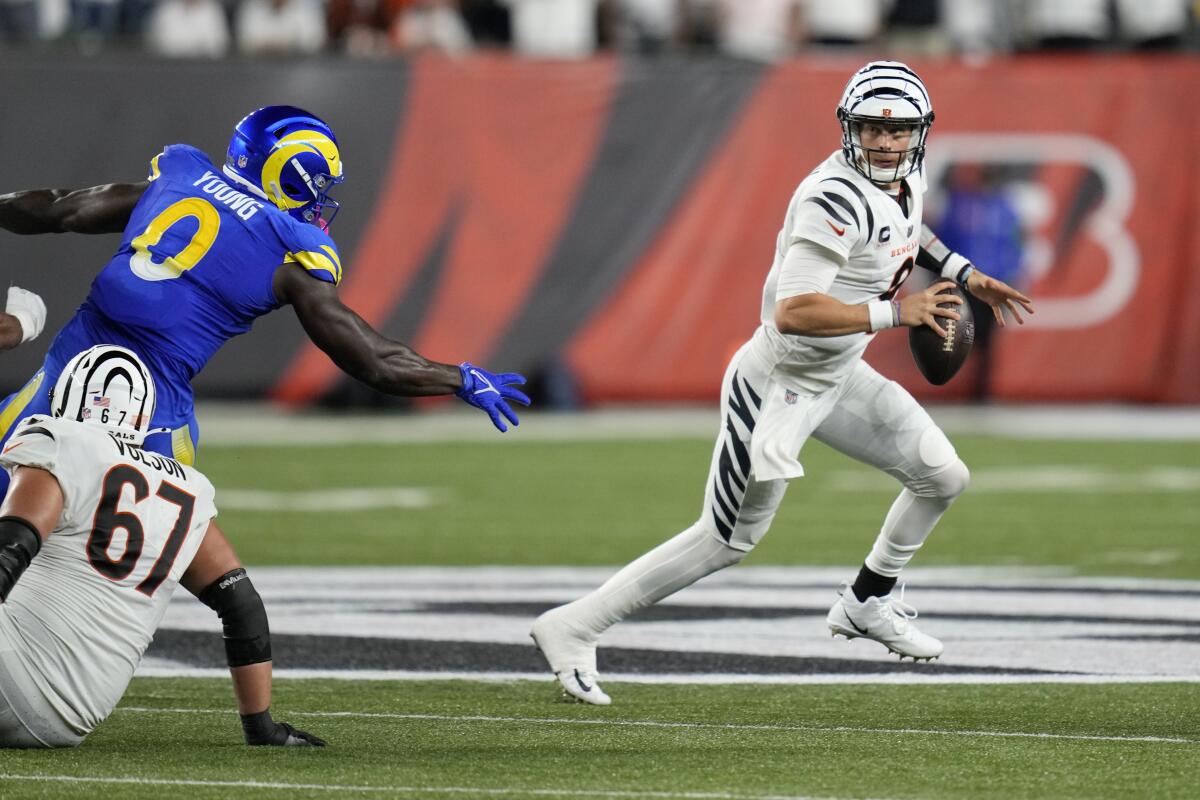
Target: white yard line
x,y
730,726
471,791
1058,479
265,425
699,679
326,500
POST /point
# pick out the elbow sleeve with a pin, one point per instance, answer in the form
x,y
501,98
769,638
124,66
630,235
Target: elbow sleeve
x,y
243,618
19,543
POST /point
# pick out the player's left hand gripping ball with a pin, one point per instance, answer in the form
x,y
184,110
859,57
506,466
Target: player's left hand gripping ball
x,y
491,392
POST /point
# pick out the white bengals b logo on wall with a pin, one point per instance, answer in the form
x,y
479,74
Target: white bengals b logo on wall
x,y
1103,226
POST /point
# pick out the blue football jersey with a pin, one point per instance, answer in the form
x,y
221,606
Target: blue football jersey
x,y
194,270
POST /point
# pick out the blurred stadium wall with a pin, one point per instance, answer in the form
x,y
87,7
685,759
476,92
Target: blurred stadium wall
x,y
613,220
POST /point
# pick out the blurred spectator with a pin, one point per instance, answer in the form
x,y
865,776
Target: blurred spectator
x,y
915,26
188,29
979,27
431,25
764,30
488,21
1153,24
981,222
280,27
554,28
54,18
134,15
94,21
649,26
1067,24
18,21
698,24
845,23
360,27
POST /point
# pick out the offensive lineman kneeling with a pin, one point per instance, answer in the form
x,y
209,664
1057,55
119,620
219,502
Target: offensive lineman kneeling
x,y
99,533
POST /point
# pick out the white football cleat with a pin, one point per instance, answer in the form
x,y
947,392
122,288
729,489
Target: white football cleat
x,y
571,655
887,620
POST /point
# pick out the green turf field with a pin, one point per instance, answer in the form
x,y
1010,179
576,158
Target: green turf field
x,y
1092,507
593,503
512,740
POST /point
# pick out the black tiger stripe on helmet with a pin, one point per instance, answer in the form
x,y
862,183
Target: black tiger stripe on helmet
x,y
106,385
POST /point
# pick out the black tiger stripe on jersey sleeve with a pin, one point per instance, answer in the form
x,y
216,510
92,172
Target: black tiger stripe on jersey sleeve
x,y
831,211
862,198
844,203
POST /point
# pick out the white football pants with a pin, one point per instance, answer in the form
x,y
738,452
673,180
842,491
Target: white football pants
x,y
867,417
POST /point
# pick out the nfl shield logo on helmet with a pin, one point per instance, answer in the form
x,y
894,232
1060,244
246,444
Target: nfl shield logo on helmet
x,y
790,397
242,161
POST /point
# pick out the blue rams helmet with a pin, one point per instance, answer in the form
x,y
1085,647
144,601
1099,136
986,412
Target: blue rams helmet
x,y
290,158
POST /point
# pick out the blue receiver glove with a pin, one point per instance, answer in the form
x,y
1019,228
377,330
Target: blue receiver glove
x,y
491,392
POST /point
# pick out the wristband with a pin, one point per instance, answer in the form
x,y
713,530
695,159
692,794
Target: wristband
x,y
883,314
956,268
29,329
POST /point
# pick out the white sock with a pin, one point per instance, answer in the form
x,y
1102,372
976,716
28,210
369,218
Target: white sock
x,y
909,522
666,569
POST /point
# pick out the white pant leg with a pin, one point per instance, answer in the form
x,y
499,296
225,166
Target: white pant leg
x,y
879,423
738,508
26,720
736,514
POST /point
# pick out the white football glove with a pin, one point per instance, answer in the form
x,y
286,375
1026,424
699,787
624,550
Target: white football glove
x,y
29,310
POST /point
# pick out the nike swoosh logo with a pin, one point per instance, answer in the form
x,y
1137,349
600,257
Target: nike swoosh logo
x,y
487,385
852,625
584,686
13,446
836,229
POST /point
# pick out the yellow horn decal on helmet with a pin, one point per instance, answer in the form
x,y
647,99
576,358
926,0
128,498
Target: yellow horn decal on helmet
x,y
292,145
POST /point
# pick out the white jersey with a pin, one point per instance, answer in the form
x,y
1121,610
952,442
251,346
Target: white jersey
x,y
840,210
84,612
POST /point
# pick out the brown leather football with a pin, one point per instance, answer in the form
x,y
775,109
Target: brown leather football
x,y
940,358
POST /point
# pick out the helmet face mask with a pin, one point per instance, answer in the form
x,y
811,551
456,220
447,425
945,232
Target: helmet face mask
x,y
107,386
290,158
885,95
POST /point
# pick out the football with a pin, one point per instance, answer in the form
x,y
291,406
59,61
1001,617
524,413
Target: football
x,y
940,358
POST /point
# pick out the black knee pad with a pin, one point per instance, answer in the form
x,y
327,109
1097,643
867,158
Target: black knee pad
x,y
236,601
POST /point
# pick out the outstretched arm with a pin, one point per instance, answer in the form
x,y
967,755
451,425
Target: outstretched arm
x,y
998,295
100,209
384,364
358,349
217,578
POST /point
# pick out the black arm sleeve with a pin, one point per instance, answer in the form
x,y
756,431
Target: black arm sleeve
x,y
19,543
244,619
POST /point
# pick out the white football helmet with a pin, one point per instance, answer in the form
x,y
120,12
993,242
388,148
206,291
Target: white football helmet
x,y
885,93
107,386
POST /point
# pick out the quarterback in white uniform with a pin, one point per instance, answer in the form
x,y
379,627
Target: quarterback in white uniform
x,y
99,534
852,235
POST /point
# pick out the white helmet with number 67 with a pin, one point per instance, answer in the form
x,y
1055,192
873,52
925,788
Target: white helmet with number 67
x,y
108,386
888,94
